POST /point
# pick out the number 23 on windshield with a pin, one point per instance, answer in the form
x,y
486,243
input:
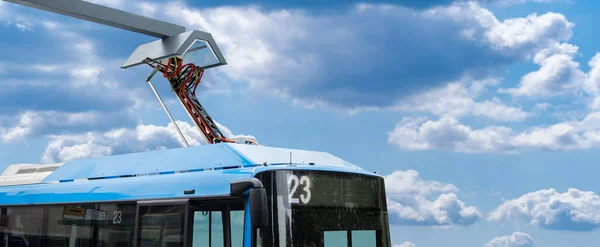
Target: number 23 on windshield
x,y
298,189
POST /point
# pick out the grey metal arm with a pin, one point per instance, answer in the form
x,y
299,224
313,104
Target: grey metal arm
x,y
105,15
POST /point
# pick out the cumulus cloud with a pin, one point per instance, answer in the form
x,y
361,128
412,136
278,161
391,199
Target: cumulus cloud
x,y
450,135
592,82
558,73
119,141
574,210
517,239
413,201
406,244
288,51
458,99
123,140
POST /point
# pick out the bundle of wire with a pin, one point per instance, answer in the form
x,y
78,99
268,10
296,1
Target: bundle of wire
x,y
183,77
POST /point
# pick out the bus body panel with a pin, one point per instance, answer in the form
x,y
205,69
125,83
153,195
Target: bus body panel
x,y
169,186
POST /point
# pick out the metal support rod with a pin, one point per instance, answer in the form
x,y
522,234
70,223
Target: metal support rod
x,y
105,15
165,106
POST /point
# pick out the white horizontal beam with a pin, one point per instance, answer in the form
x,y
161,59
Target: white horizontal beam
x,y
105,15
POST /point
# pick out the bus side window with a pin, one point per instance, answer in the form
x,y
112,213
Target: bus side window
x,y
161,226
237,228
119,224
23,227
208,229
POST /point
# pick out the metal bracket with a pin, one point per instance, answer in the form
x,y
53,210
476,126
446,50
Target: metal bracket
x,y
176,45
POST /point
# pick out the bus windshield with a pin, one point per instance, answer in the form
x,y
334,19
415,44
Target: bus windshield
x,y
324,209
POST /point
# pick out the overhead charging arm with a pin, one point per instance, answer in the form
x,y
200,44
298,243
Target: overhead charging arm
x,y
184,80
173,44
106,16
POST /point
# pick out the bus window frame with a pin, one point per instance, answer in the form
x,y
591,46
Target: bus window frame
x,y
225,217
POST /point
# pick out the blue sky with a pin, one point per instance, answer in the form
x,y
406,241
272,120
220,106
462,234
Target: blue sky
x,y
482,115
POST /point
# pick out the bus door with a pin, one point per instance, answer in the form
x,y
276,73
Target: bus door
x,y
217,223
196,223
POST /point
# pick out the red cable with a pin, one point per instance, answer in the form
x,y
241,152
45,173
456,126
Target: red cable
x,y
177,63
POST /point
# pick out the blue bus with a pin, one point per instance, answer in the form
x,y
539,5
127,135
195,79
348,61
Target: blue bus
x,y
205,196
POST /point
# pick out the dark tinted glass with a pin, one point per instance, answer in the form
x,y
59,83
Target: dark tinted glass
x,y
119,225
68,225
161,226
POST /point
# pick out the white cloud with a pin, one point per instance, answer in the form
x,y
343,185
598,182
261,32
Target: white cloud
x,y
83,48
148,9
525,34
592,83
85,75
24,26
120,141
574,210
406,244
228,134
458,99
51,25
558,73
413,201
450,135
517,239
10,16
409,183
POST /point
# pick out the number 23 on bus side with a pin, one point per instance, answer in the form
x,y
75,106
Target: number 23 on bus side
x,y
300,185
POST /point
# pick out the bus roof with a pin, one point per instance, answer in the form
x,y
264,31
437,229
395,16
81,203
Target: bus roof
x,y
163,174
